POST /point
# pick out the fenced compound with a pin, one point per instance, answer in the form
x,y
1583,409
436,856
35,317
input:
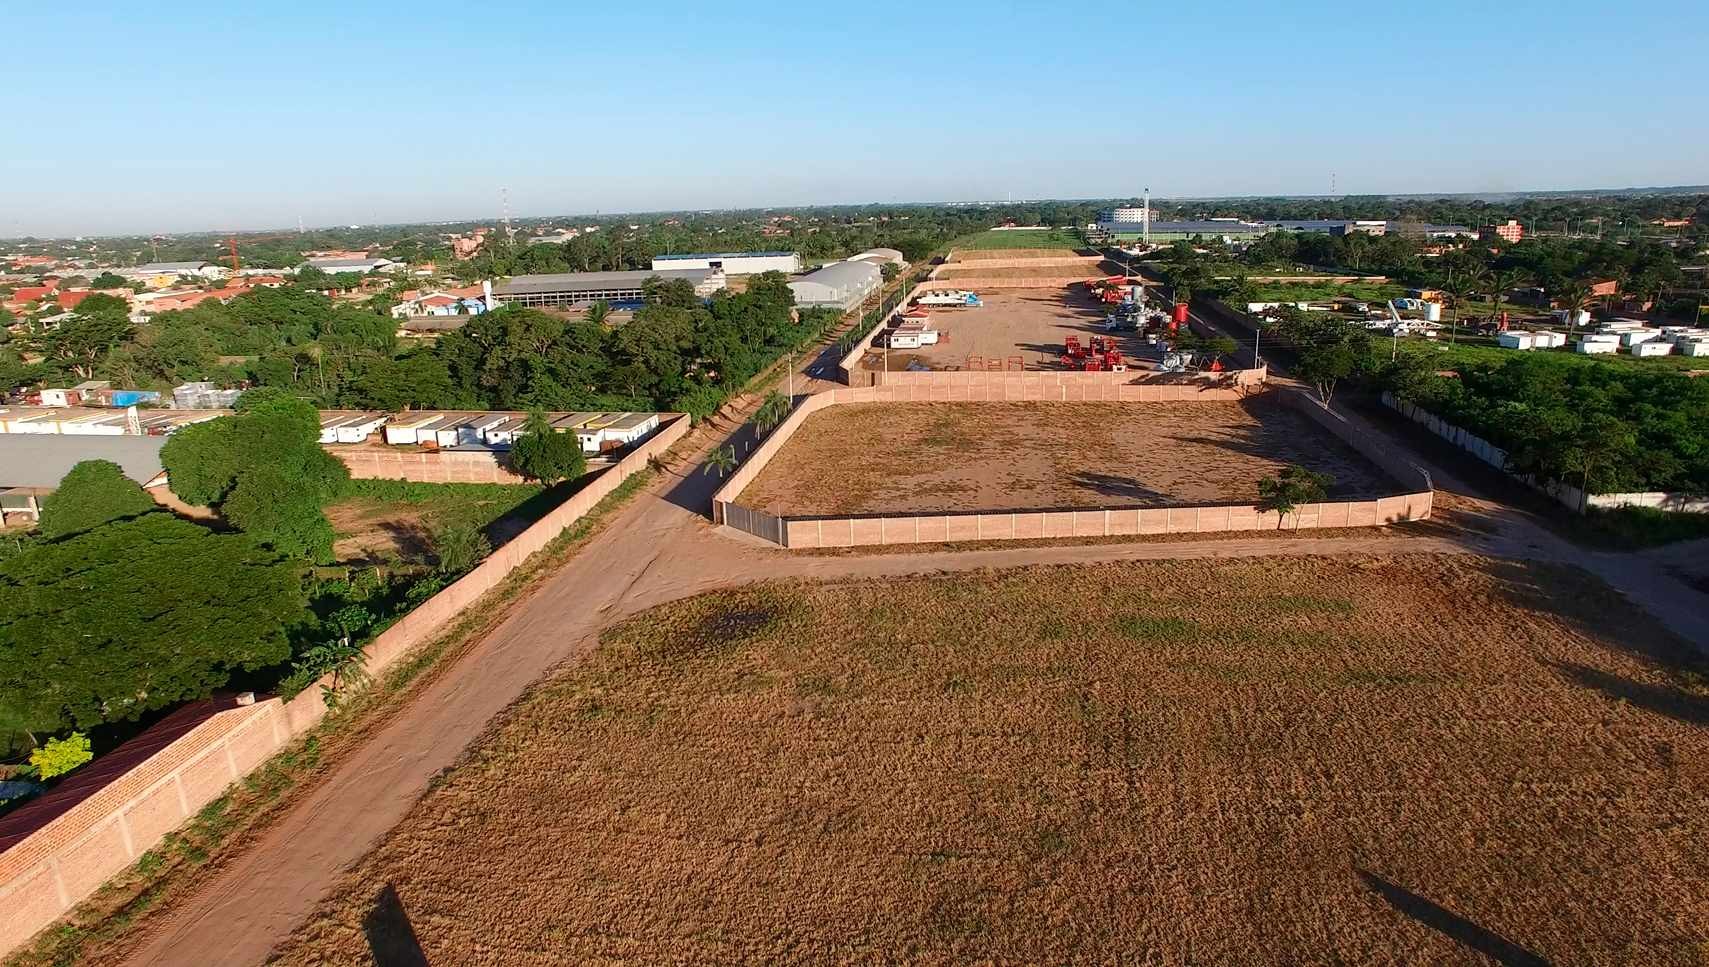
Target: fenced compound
x,y
1413,503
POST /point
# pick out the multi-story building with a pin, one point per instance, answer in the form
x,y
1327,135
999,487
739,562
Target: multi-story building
x,y
1509,231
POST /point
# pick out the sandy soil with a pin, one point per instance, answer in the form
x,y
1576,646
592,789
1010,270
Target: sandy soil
x,y
1031,324
380,532
1089,269
1405,759
914,457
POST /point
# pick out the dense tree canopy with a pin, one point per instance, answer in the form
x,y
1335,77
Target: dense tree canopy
x,y
93,493
137,615
264,467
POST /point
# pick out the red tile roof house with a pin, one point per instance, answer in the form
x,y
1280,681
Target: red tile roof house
x,y
31,293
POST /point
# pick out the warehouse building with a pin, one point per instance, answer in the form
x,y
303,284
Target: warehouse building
x,y
732,263
840,285
564,290
31,466
880,256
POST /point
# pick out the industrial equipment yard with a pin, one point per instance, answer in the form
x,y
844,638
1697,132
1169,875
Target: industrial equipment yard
x,y
881,458
1401,758
1024,326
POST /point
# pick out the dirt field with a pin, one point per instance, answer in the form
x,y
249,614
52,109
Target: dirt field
x,y
1411,760
869,458
1031,324
979,255
1086,270
384,520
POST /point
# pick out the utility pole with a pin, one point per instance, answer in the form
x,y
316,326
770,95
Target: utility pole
x,y
1257,337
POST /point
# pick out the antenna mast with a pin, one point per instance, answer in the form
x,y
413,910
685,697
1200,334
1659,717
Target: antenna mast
x,y
504,211
1145,221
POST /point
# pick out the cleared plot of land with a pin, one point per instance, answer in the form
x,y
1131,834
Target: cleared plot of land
x,y
1085,269
1390,760
872,458
399,520
1050,238
1031,324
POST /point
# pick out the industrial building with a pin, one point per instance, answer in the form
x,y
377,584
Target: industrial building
x,y
732,263
565,290
840,285
359,266
879,256
32,465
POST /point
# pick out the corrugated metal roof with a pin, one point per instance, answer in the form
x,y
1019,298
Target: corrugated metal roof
x,y
841,274
43,459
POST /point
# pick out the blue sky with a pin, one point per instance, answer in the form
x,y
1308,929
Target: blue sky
x,y
131,117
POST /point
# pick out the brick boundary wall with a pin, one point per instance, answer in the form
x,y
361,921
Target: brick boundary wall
x,y
50,871
1092,262
1415,504
425,466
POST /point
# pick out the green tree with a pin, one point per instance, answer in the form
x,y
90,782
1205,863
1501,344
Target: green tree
x,y
107,280
1574,297
1329,352
93,493
137,615
56,757
1295,485
273,506
85,339
545,454
598,313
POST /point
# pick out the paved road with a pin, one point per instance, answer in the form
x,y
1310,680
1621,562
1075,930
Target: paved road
x,y
658,549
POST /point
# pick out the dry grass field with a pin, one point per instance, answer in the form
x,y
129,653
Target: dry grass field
x,y
869,458
1413,759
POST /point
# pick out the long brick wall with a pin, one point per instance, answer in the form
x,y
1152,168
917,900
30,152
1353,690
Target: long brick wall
x,y
1413,504
51,870
425,466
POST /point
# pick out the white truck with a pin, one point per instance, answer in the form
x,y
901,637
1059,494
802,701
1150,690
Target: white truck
x,y
950,298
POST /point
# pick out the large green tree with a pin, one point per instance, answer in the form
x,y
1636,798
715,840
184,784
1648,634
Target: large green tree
x,y
137,615
93,493
546,455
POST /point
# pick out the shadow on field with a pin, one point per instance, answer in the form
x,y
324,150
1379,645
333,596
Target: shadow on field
x,y
1586,603
1674,703
1451,924
1112,485
391,938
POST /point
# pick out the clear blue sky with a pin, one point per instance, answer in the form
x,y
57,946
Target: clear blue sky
x,y
131,117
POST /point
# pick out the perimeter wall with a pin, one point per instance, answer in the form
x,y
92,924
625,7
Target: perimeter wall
x,y
45,874
1414,503
425,466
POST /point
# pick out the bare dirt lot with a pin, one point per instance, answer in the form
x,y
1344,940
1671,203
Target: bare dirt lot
x,y
964,254
1088,269
1029,324
869,458
1415,759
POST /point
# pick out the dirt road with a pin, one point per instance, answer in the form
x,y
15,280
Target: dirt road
x,y
659,549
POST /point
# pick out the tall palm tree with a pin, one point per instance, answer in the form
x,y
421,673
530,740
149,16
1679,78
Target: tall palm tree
x,y
598,313
722,459
1502,282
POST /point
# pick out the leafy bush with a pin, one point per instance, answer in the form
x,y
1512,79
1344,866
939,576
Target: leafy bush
x,y
547,455
56,757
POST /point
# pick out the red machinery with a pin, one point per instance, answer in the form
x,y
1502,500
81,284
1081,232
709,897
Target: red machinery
x,y
1101,356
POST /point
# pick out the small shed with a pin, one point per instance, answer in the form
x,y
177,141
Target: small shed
x,y
1596,344
1515,339
1654,347
631,427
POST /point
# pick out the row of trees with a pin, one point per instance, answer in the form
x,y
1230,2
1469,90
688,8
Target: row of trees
x,y
1604,429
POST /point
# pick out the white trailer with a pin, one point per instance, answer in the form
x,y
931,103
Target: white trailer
x,y
1516,339
1653,347
1595,345
411,429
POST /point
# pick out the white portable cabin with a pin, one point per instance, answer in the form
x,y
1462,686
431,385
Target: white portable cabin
x,y
447,434
592,432
505,433
1692,347
1632,337
408,430
474,432
1516,339
631,427
1653,347
1548,339
330,421
360,427
1595,344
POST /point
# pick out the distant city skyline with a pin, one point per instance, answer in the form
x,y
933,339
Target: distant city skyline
x,y
178,122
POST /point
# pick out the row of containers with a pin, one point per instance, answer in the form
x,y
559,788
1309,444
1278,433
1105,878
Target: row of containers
x,y
598,432
483,429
